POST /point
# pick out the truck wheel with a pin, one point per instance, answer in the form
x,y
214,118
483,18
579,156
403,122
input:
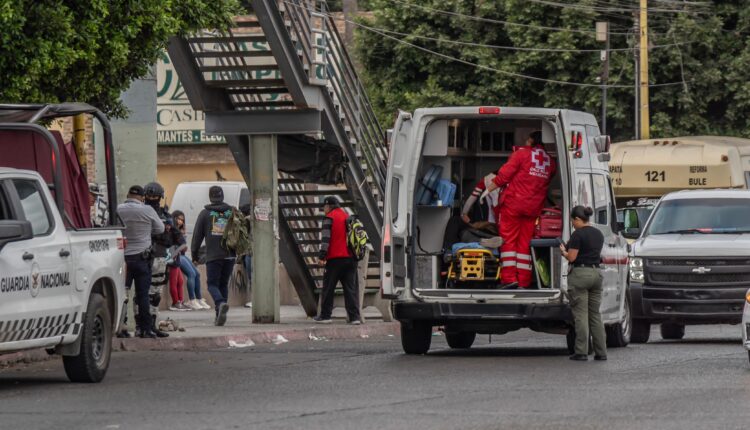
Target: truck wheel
x,y
641,331
460,339
416,338
670,331
92,361
618,335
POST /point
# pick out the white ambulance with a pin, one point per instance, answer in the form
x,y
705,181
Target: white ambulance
x,y
61,279
464,144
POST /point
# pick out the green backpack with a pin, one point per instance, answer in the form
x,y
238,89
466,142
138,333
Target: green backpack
x,y
237,236
356,237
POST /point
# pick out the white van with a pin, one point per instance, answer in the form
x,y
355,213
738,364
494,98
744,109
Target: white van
x,y
468,143
191,197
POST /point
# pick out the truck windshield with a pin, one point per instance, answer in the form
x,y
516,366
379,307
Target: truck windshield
x,y
701,216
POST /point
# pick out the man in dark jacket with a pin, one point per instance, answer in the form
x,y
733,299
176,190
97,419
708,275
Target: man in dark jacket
x,y
210,226
340,264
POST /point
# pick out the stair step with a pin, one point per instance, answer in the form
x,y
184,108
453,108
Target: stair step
x,y
310,253
246,24
308,242
232,53
228,39
258,91
239,68
267,103
290,180
309,205
305,218
313,193
305,229
246,83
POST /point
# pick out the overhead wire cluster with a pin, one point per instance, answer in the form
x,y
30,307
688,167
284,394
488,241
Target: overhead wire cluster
x,y
598,7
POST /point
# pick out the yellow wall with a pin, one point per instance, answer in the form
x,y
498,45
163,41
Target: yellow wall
x,y
170,176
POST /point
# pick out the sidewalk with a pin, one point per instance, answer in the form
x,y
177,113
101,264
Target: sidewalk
x,y
201,333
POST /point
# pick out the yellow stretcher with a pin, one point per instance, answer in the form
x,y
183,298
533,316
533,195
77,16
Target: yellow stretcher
x,y
471,266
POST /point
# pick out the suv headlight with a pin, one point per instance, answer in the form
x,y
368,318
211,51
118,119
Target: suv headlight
x,y
636,269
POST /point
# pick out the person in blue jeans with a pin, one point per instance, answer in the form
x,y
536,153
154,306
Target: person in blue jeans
x,y
192,276
210,226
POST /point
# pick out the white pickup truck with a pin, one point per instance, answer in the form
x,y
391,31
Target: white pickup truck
x,y
61,282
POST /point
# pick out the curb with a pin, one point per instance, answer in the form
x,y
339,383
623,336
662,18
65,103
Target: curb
x,y
290,334
206,343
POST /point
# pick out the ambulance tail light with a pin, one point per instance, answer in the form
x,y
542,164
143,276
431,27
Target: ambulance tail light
x,y
489,110
385,248
578,145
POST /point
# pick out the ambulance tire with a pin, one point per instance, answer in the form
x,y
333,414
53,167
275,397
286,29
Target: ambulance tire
x,y
670,331
618,335
460,339
92,361
416,337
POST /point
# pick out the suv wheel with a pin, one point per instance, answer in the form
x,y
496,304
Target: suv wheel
x,y
416,337
618,335
92,361
641,331
460,339
671,331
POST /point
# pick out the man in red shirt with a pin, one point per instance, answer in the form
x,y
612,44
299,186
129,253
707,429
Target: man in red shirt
x,y
527,175
340,264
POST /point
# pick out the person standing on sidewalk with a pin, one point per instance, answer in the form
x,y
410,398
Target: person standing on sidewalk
x,y
584,251
210,225
340,264
141,222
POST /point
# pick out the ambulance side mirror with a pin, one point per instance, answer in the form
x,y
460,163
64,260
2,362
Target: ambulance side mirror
x,y
602,144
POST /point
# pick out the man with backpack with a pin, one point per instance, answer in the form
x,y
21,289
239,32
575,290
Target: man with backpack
x,y
340,260
210,225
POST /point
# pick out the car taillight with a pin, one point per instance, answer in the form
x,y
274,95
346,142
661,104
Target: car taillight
x,y
489,110
122,243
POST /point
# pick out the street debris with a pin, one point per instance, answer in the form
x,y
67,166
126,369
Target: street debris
x,y
170,325
246,344
364,336
313,337
279,340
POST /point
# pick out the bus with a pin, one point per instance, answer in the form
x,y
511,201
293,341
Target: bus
x,y
642,171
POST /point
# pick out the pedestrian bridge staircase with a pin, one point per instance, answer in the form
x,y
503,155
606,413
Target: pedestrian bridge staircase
x,y
284,70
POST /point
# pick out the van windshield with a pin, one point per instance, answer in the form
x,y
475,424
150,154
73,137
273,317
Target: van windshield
x,y
701,216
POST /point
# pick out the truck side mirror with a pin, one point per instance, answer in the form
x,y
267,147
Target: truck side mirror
x,y
631,233
14,231
602,144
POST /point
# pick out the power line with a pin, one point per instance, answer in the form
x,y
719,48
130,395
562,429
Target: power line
x,y
592,8
502,47
483,67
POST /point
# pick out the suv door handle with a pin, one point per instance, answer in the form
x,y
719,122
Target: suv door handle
x,y
64,253
28,256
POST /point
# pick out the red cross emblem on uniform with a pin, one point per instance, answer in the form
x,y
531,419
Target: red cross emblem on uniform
x,y
540,159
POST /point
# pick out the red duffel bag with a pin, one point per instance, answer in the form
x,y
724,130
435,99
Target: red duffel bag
x,y
549,224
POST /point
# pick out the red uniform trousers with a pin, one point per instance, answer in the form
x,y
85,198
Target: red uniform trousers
x,y
515,254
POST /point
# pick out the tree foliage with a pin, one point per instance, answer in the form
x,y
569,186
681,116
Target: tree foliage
x,y
91,50
712,58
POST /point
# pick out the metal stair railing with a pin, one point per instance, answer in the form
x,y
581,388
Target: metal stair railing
x,y
345,89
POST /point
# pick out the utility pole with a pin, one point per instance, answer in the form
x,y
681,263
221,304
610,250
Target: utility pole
x,y
265,228
602,35
643,71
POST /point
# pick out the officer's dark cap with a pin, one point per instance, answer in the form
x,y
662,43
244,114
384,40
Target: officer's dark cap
x,y
331,201
136,190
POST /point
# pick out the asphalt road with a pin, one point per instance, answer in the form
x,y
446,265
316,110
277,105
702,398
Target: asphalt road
x,y
521,381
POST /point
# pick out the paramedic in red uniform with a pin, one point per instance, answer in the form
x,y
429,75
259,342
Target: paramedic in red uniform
x,y
340,264
527,175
